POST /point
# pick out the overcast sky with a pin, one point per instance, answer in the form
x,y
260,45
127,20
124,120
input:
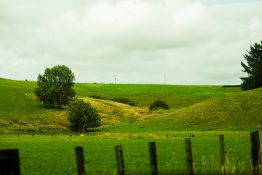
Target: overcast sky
x,y
136,41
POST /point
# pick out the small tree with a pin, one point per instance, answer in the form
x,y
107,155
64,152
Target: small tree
x,y
55,86
253,67
81,115
158,104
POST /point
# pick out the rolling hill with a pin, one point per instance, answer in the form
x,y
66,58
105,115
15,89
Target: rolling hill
x,y
19,110
240,111
192,107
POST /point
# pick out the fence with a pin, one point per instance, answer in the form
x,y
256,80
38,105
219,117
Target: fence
x,y
10,163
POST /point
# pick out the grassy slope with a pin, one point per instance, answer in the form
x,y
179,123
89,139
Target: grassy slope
x,y
17,105
236,112
170,144
113,112
176,96
17,108
241,110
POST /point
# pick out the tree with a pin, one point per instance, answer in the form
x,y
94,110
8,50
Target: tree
x,y
55,86
158,104
81,115
253,68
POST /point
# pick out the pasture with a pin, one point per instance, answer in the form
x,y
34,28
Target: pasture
x,y
20,112
46,145
54,154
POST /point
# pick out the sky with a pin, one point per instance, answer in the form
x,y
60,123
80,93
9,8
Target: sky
x,y
192,42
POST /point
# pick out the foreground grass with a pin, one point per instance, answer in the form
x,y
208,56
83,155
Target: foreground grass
x,y
54,154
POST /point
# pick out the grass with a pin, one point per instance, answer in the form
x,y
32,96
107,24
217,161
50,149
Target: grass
x,y
20,112
143,94
192,108
54,154
113,112
19,109
240,111
199,112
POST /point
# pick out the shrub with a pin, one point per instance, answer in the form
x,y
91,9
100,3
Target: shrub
x,y
123,100
81,115
96,97
158,104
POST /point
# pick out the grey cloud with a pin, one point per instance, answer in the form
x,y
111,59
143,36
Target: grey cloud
x,y
191,42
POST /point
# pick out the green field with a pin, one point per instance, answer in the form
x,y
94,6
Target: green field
x,y
46,145
20,112
143,94
54,154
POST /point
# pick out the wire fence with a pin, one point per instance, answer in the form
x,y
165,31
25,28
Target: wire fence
x,y
158,162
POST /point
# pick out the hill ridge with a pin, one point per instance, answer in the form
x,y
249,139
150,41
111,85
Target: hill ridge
x,y
242,109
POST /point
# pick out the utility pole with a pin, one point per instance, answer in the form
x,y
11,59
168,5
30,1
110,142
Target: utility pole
x,y
115,78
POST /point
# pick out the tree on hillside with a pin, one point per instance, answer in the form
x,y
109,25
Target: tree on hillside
x,y
55,86
81,115
253,68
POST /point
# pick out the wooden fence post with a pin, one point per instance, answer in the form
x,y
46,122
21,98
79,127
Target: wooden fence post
x,y
80,160
255,152
222,154
119,160
153,158
9,162
189,156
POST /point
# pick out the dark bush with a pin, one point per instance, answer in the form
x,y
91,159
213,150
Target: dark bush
x,y
124,100
81,116
158,104
96,97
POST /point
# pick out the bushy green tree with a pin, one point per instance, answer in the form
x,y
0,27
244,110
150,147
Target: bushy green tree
x,y
81,115
253,68
158,104
55,86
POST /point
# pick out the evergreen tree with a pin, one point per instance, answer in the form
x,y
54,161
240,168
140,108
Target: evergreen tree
x,y
253,68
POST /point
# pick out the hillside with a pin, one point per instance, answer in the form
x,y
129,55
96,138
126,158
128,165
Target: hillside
x,y
114,112
241,111
177,96
19,111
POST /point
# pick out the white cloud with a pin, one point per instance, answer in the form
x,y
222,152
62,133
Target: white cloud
x,y
191,42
